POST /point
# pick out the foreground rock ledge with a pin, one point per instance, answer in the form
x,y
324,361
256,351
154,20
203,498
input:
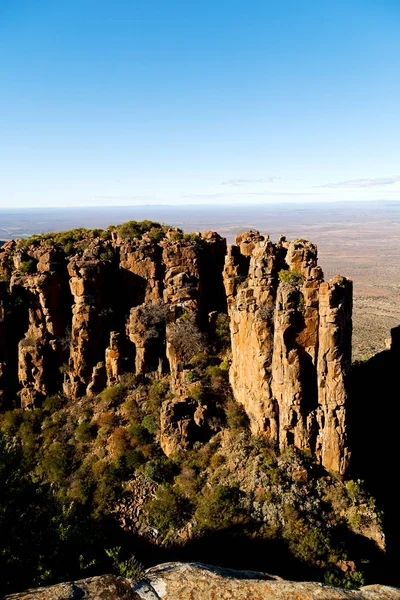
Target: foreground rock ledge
x,y
192,581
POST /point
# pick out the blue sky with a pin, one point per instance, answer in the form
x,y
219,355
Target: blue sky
x,y
198,101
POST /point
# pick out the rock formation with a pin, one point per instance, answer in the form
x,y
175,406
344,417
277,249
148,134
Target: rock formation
x,y
75,320
180,581
291,345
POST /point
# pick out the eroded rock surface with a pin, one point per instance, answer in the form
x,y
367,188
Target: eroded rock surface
x,y
191,581
105,587
291,345
77,321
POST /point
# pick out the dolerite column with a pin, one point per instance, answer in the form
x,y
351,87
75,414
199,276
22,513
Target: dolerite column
x,y
333,368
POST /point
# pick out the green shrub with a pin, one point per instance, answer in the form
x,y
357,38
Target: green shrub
x,y
129,567
222,330
192,237
107,482
150,423
135,229
56,462
156,235
175,236
53,403
219,507
157,393
169,510
28,265
350,581
139,433
114,394
159,470
292,276
236,416
106,254
85,432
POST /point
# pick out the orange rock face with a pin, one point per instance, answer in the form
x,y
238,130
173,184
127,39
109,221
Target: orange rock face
x,y
76,323
291,345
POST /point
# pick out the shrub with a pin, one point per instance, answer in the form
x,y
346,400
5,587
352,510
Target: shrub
x,y
53,403
129,567
156,235
350,581
114,394
197,392
175,236
56,462
107,420
189,481
219,507
159,470
186,338
28,265
169,510
107,485
192,237
222,330
157,393
106,254
135,229
150,423
85,432
139,433
236,416
292,276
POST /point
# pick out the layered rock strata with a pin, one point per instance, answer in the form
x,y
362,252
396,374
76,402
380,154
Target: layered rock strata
x,y
76,322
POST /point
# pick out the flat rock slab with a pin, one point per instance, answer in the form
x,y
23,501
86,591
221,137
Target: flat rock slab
x,y
105,587
192,581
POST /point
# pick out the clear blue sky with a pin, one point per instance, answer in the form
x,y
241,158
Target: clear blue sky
x,y
198,101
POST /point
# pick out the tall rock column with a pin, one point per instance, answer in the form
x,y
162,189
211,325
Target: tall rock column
x,y
334,362
294,377
250,277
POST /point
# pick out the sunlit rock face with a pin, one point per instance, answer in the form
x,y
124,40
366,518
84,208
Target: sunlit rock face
x,y
291,345
78,321
180,581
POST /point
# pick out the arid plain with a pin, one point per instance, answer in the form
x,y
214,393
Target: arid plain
x,y
358,240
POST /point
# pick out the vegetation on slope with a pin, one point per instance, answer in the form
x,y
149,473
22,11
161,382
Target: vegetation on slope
x,y
88,485
87,480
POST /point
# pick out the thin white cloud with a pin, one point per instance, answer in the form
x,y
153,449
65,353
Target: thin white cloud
x,y
226,194
362,183
125,197
237,182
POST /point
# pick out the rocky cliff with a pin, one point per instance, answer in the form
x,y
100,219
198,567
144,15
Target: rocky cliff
x,y
179,581
79,311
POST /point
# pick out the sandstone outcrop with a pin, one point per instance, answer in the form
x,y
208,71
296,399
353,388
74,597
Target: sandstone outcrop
x,y
77,320
181,581
291,345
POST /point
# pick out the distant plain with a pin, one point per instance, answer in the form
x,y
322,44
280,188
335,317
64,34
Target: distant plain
x,y
358,240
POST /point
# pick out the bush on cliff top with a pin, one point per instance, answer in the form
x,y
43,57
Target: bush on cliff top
x,y
292,276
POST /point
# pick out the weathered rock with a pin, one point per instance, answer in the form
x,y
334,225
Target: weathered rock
x,y
105,587
250,282
334,361
184,581
120,306
178,424
113,359
291,350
